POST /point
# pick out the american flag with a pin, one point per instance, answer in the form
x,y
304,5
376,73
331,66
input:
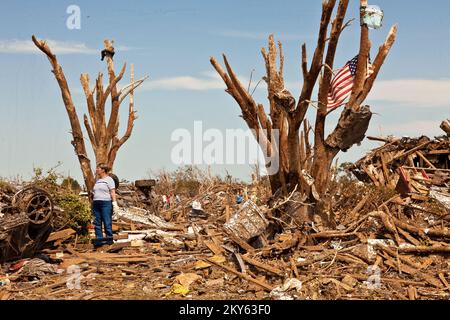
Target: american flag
x,y
342,83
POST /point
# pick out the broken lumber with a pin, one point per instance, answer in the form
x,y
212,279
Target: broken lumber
x,y
260,283
425,249
61,235
262,266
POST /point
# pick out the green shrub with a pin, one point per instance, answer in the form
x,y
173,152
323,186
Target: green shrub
x,y
77,212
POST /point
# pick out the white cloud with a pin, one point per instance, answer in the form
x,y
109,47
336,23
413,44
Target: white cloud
x,y
410,92
414,92
209,80
58,47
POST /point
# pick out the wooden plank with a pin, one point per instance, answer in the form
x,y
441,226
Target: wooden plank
x,y
260,283
213,247
262,266
332,234
244,245
420,154
412,293
379,139
427,169
312,248
400,267
371,176
402,258
425,249
388,280
431,280
408,237
384,167
419,197
294,267
120,236
118,246
354,214
59,235
444,281
407,153
438,152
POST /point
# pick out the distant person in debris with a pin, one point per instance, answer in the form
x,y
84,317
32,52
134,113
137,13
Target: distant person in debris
x,y
178,199
103,205
168,201
171,200
164,201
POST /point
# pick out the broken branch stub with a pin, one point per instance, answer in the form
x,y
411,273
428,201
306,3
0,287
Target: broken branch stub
x,y
351,128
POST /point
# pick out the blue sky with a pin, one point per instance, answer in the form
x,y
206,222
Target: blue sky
x,y
171,41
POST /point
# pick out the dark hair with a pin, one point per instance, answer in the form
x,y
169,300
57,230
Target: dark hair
x,y
104,167
116,180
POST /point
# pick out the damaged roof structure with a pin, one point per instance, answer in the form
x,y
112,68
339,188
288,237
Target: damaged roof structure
x,y
415,167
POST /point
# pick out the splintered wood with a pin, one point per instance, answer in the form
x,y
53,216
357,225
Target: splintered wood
x,y
419,168
384,246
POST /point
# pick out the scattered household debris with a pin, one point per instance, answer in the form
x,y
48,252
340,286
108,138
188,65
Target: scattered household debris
x,y
386,245
417,168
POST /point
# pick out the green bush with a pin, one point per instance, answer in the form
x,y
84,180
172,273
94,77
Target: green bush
x,y
77,212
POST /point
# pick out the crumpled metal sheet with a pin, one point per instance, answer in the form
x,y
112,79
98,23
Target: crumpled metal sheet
x,y
248,222
142,216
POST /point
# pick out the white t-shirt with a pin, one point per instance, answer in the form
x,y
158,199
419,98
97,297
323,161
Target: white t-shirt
x,y
102,189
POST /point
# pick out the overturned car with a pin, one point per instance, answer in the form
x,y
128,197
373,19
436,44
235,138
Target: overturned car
x,y
25,221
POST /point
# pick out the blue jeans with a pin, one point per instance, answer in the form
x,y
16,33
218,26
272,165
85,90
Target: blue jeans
x,y
103,216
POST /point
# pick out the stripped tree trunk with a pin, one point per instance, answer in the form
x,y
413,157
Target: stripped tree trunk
x,y
103,135
302,165
445,125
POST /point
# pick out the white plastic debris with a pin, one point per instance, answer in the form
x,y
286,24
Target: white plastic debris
x,y
373,17
196,205
371,243
308,178
337,245
281,292
440,196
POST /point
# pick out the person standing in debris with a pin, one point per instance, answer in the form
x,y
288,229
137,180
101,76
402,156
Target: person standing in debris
x,y
178,199
164,201
103,205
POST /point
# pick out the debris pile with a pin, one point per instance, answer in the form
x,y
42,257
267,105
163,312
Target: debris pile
x,y
139,194
385,246
416,168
